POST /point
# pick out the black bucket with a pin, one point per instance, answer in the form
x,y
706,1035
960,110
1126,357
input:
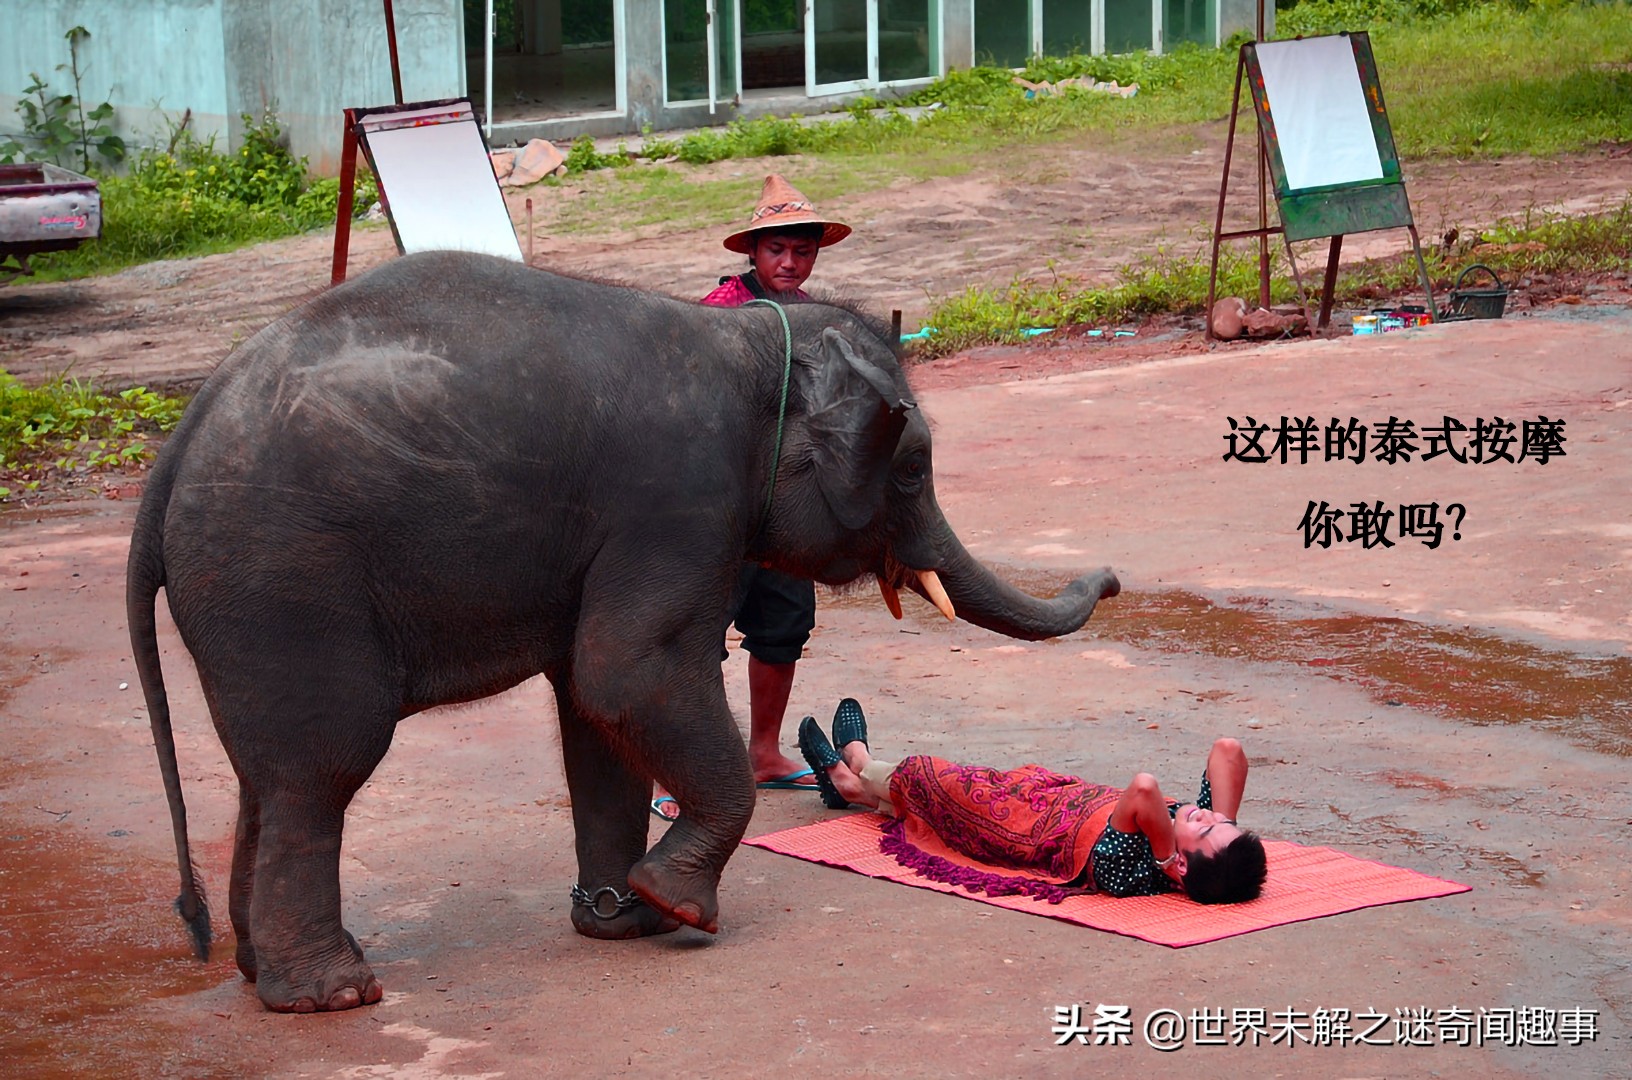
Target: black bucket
x,y
1476,303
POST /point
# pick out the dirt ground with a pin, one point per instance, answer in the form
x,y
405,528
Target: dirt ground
x,y
1463,711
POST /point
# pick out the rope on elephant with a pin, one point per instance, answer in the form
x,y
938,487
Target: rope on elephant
x,y
782,408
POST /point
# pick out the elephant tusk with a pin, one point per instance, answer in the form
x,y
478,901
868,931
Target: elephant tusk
x,y
892,599
937,594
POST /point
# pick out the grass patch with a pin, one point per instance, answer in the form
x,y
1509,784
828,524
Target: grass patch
x,y
70,427
1173,283
1493,81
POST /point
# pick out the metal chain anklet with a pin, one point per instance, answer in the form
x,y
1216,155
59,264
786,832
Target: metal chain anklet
x,y
621,902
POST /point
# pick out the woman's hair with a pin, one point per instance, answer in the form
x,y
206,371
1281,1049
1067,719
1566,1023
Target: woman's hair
x,y
1234,875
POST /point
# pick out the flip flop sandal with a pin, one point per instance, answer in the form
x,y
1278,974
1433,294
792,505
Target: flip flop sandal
x,y
849,725
789,782
821,756
657,808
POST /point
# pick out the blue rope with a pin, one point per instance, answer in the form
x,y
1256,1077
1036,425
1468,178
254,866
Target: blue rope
x,y
782,409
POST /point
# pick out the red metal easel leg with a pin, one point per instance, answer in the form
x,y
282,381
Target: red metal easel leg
x,y
343,207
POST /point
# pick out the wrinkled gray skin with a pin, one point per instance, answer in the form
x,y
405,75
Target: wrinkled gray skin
x,y
443,478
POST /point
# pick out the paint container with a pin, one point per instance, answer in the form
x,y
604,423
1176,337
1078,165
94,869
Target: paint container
x,y
1365,324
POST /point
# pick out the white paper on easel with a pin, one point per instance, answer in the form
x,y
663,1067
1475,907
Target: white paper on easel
x,y
439,182
1321,119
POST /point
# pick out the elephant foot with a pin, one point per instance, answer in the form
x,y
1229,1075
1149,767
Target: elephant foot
x,y
642,921
332,993
346,985
687,898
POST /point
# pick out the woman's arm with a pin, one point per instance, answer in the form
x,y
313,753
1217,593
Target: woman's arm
x,y
1227,773
1142,808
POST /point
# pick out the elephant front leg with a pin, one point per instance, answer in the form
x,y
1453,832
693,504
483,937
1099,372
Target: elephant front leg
x,y
693,748
645,675
609,805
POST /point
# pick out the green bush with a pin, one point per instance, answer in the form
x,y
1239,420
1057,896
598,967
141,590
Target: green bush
x,y
69,425
583,157
192,199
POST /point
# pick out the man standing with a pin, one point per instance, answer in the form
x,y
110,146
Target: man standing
x,y
777,612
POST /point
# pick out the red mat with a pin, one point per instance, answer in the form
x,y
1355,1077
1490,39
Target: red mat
x,y
1304,883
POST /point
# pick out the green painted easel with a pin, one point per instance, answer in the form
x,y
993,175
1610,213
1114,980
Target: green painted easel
x,y
1373,198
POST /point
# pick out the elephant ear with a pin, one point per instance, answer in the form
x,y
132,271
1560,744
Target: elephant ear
x,y
856,417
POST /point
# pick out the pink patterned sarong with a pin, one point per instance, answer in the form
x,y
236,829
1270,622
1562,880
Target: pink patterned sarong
x,y
1000,831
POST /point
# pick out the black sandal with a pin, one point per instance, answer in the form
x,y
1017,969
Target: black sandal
x,y
820,756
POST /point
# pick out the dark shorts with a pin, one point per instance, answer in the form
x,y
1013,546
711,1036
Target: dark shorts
x,y
775,615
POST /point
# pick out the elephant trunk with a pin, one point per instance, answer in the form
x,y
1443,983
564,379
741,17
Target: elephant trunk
x,y
982,598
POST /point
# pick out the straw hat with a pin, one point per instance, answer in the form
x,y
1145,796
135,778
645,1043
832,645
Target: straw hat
x,y
780,203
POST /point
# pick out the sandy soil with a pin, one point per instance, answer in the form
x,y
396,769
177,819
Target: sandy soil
x,y
1460,711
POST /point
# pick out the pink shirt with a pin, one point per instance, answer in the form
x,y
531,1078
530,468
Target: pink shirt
x,y
735,294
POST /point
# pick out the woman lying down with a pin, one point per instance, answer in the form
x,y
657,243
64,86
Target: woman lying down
x,y
1038,833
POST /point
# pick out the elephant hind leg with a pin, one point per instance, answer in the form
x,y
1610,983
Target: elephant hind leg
x,y
300,753
245,843
304,958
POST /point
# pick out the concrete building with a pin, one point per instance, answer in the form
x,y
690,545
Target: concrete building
x,y
560,68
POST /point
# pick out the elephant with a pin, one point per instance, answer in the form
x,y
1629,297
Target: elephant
x,y
456,472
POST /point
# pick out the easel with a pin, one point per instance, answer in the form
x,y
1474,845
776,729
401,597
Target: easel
x,y
348,158
1318,210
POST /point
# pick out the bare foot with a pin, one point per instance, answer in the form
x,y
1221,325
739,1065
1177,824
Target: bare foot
x,y
665,805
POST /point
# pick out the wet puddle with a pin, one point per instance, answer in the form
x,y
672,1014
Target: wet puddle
x,y
85,942
1459,673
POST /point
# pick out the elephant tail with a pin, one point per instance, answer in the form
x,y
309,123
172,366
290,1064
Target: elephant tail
x,y
145,575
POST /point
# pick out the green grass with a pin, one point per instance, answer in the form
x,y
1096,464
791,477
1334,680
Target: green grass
x,y
69,426
1493,81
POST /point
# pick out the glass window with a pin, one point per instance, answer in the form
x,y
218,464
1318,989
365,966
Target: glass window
x,y
1068,27
685,49
1129,25
841,41
1188,20
773,44
1003,32
725,49
905,32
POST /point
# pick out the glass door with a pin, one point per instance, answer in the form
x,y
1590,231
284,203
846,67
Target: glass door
x,y
853,44
905,39
839,52
700,51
